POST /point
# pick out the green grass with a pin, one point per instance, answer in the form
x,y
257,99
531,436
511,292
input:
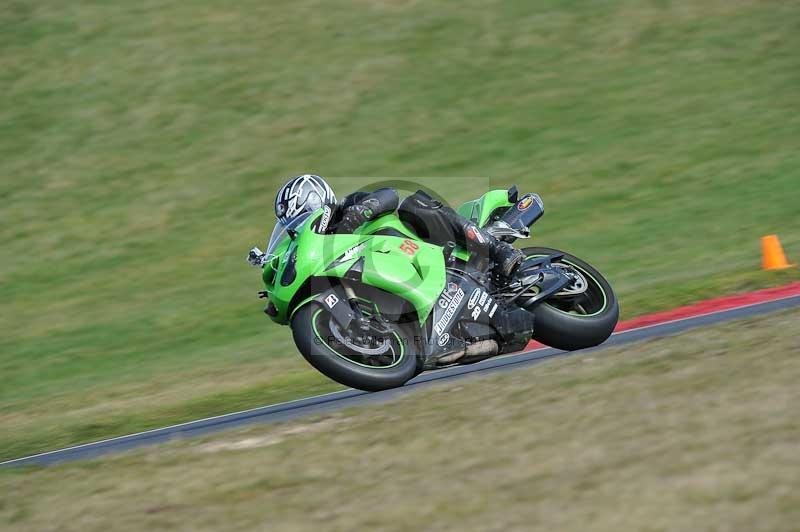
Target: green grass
x,y
142,144
693,432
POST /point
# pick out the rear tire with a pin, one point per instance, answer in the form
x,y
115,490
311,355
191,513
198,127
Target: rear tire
x,y
568,330
334,360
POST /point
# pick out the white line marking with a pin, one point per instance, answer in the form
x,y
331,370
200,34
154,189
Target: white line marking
x,y
230,414
168,427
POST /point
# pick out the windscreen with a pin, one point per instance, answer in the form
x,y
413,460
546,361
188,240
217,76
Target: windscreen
x,y
280,232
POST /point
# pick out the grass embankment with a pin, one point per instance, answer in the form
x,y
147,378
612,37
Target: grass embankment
x,y
694,432
142,144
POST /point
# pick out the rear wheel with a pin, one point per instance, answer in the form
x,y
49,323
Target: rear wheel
x,y
582,315
381,357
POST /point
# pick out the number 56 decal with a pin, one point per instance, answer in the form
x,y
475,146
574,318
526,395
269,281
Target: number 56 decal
x,y
409,246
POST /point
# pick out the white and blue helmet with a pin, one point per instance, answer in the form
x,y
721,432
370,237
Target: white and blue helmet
x,y
304,193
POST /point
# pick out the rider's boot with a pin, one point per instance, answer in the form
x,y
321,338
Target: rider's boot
x,y
506,258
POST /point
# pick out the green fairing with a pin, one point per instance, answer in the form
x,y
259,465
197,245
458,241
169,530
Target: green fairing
x,y
480,209
417,277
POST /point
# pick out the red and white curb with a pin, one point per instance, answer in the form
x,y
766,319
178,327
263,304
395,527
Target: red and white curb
x,y
702,308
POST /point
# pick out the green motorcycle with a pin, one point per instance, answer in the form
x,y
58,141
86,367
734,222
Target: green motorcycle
x,y
375,308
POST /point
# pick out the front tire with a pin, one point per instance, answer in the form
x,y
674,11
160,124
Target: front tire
x,y
318,339
570,325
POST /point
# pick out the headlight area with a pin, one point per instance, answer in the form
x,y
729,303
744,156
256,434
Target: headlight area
x,y
289,270
270,269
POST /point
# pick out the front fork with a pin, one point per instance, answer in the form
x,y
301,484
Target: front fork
x,y
361,321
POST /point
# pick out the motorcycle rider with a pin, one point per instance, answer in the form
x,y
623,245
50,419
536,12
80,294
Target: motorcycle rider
x,y
433,221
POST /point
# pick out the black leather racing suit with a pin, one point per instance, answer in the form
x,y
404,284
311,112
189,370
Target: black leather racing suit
x,y
432,221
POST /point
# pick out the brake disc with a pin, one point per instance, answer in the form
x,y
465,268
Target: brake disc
x,y
356,346
578,284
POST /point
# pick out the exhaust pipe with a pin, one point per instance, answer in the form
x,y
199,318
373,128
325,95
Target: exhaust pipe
x,y
473,352
480,350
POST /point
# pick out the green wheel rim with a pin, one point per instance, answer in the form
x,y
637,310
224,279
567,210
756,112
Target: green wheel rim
x,y
319,337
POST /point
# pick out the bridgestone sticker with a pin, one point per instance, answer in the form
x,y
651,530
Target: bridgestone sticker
x,y
441,325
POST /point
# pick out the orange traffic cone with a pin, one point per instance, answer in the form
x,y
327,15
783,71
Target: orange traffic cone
x,y
772,256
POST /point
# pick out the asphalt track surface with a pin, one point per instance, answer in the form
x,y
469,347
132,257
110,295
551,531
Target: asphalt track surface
x,y
348,398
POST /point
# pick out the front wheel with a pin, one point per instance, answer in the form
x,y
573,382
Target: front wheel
x,y
583,315
378,359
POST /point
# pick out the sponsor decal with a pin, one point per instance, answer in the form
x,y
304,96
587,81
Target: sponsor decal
x,y
348,255
324,220
351,253
525,203
494,308
474,234
484,295
448,294
487,305
476,313
444,339
473,299
331,300
441,325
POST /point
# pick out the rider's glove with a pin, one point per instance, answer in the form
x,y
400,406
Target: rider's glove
x,y
353,218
